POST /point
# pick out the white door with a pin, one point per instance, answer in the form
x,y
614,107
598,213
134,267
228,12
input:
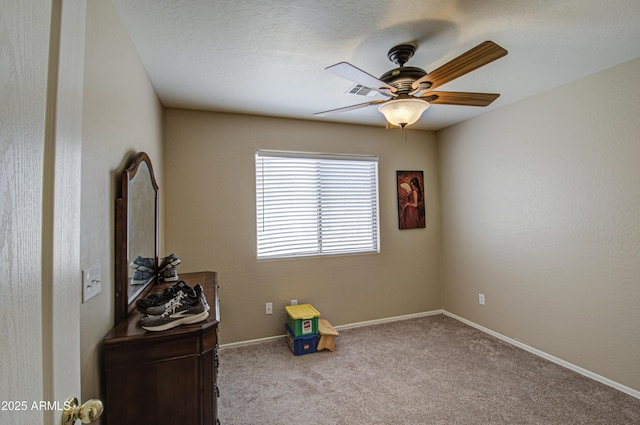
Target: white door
x,y
41,69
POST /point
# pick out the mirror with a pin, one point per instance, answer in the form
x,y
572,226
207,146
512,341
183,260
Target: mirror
x,y
136,235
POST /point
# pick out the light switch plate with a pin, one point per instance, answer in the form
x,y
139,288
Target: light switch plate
x,y
91,283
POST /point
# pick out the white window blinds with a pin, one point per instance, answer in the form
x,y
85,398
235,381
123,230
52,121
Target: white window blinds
x,y
315,204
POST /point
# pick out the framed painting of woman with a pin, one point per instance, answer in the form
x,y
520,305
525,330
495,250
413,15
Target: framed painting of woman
x,y
411,206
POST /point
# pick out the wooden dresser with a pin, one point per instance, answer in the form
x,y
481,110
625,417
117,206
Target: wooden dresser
x,y
167,377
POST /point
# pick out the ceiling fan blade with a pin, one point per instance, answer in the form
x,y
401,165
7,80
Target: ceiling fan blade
x,y
471,60
459,98
351,73
349,108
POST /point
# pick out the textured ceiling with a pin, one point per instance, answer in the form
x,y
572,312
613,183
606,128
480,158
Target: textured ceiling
x,y
267,57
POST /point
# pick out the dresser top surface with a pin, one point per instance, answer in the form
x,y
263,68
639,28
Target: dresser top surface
x,y
129,329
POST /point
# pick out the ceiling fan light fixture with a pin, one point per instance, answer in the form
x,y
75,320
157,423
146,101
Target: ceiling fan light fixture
x,y
403,112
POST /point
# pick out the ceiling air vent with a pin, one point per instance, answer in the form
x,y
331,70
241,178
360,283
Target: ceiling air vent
x,y
360,90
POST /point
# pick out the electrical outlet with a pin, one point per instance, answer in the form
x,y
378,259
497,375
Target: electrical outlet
x,y
294,302
91,283
268,308
481,299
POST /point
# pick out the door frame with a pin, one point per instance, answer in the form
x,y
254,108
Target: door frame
x,y
61,274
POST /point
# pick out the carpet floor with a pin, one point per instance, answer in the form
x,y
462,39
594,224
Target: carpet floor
x,y
431,370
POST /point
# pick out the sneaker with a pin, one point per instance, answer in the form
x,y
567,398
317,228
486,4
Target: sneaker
x,y
198,288
144,264
170,275
170,261
155,300
185,308
140,277
181,289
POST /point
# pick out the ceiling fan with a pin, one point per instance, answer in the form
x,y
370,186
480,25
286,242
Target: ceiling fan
x,y
410,89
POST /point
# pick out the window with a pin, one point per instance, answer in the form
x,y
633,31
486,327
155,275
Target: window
x,y
316,204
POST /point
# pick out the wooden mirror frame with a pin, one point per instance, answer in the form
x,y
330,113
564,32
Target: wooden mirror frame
x,y
122,228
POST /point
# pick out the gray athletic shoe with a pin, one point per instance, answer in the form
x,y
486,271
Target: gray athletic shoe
x,y
159,300
170,275
181,290
185,308
199,290
140,277
170,261
144,264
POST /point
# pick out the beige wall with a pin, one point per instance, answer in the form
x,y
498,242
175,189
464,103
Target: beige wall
x,y
122,115
210,222
540,206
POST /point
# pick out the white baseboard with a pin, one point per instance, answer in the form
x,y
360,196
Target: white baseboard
x,y
547,356
251,342
388,319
